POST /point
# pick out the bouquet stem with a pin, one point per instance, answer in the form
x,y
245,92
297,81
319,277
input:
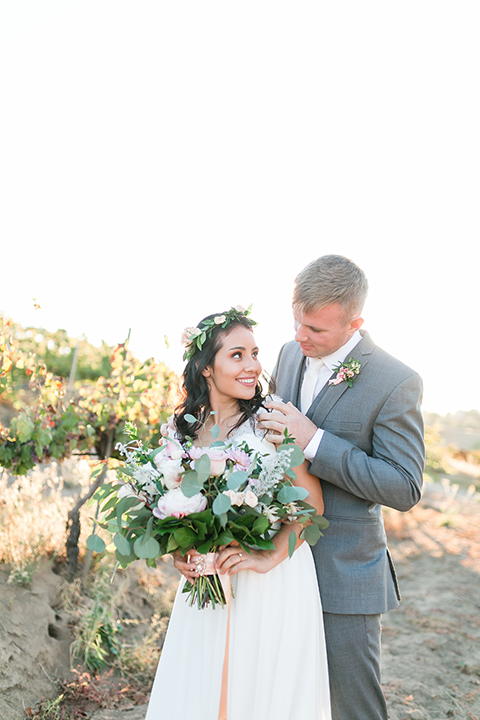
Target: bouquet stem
x,y
207,589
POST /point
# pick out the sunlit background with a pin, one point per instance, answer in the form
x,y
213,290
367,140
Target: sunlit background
x,y
161,161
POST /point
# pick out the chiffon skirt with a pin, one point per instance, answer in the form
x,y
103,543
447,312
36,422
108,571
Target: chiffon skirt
x,y
277,667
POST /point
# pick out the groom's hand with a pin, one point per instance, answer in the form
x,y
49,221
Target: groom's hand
x,y
286,416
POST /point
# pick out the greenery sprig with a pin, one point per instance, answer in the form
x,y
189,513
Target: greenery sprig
x,y
194,337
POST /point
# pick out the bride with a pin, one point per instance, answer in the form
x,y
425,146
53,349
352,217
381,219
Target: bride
x,y
264,658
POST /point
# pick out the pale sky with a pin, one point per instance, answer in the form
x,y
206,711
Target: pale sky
x,y
161,161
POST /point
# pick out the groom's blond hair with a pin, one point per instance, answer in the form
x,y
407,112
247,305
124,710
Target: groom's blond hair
x,y
330,279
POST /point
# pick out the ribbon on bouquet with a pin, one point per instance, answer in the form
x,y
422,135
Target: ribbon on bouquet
x,y
205,565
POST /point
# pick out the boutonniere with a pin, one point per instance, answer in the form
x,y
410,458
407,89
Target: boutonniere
x,y
346,372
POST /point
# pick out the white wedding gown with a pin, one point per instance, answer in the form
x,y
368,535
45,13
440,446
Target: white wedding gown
x,y
277,668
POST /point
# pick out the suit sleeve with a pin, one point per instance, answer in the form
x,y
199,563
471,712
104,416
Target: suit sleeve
x,y
393,474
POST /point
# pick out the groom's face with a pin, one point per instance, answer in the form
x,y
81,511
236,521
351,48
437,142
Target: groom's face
x,y
323,332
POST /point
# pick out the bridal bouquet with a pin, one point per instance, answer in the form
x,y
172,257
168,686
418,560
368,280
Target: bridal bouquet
x,y
180,497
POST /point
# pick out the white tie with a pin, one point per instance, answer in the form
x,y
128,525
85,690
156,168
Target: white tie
x,y
309,383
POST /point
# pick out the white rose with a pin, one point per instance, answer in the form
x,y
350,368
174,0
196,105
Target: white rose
x,y
175,504
171,470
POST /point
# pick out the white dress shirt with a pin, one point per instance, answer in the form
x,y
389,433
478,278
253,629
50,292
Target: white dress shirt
x,y
325,372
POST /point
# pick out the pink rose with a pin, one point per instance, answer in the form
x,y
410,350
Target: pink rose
x,y
174,450
175,504
251,499
236,498
218,458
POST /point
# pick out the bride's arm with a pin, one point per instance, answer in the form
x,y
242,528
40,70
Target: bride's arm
x,y
232,559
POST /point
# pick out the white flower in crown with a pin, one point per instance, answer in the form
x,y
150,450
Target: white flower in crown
x,y
189,333
219,319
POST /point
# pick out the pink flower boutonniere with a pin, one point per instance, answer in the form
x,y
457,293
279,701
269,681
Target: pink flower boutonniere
x,y
346,372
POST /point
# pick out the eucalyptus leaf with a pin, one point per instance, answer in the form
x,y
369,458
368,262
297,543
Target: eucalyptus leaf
x,y
148,531
320,521
191,485
221,504
95,543
149,549
202,468
190,418
122,544
125,560
291,493
215,431
312,534
236,479
292,541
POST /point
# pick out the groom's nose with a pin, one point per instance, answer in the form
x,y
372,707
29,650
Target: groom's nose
x,y
300,333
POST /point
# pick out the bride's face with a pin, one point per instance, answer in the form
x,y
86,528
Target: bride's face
x,y
236,367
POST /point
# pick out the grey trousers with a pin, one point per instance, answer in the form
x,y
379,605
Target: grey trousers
x,y
353,650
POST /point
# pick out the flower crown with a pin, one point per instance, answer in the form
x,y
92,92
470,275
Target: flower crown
x,y
194,337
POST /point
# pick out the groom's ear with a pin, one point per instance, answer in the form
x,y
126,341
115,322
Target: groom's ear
x,y
356,324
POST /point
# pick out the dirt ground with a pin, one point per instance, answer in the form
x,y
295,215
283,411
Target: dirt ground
x,y
431,643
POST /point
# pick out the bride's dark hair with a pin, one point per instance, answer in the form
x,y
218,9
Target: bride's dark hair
x,y
196,400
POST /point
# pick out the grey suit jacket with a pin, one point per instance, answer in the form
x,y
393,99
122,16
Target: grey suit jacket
x,y
371,454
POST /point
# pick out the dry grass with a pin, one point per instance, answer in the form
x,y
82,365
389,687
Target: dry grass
x,y
33,515
428,526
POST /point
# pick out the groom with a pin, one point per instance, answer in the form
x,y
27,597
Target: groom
x,y
361,429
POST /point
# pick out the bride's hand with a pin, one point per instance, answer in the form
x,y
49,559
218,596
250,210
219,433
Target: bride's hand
x,y
233,559
185,565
